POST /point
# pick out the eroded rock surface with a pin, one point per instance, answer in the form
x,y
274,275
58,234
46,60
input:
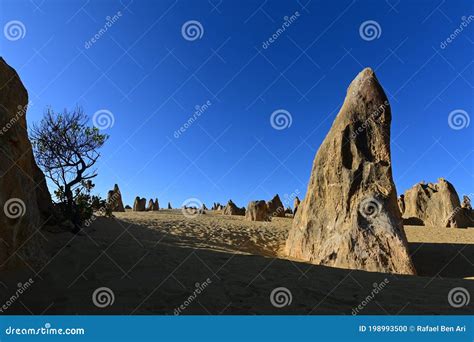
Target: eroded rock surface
x,y
349,217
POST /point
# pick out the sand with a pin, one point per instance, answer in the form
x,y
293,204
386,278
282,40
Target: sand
x,y
154,261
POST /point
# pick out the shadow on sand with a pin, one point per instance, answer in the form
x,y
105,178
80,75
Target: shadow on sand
x,y
153,273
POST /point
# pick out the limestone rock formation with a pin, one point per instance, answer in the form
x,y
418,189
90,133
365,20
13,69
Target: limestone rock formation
x,y
257,211
216,206
401,203
466,202
114,199
149,207
139,204
232,209
156,205
435,205
169,205
24,197
296,204
275,207
349,217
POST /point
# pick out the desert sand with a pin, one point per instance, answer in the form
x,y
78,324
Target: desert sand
x,y
153,261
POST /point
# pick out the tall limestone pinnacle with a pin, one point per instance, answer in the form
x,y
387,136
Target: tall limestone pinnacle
x,y
24,197
349,217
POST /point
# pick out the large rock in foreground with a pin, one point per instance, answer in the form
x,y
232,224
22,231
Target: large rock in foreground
x,y
114,199
349,217
435,205
24,198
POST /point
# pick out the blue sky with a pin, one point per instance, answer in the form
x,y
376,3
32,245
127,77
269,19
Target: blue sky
x,y
150,78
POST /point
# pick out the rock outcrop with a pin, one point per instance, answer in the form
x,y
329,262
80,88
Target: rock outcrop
x,y
156,205
275,207
217,206
296,204
149,207
466,203
349,217
114,200
257,211
24,197
232,209
169,205
435,205
139,204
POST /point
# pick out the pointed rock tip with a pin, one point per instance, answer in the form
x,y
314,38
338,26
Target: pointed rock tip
x,y
367,74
